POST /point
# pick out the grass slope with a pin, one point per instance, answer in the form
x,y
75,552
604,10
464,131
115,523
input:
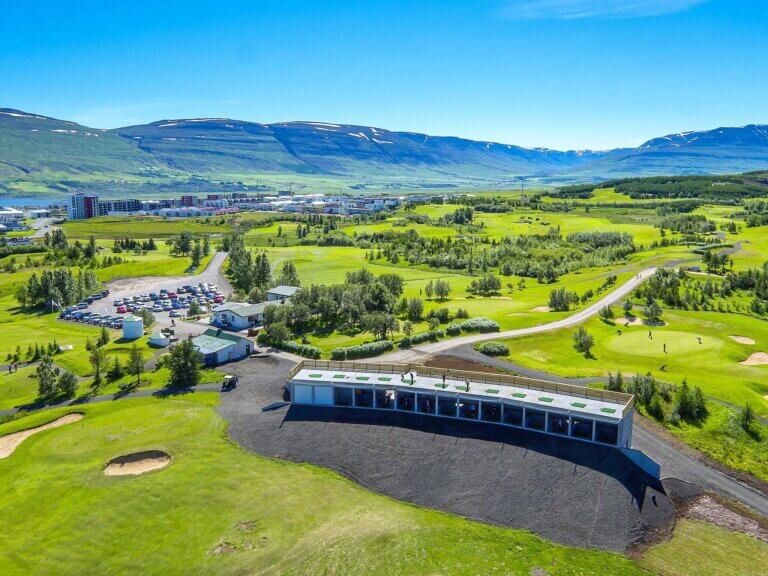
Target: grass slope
x,y
270,517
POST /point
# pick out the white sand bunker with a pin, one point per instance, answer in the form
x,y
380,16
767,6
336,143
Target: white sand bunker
x,y
541,309
137,463
10,442
634,321
741,339
756,359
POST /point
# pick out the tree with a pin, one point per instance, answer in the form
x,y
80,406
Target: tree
x,y
116,371
627,307
583,341
606,313
653,311
278,332
98,359
149,318
135,364
442,289
194,309
67,384
183,242
407,328
46,374
184,363
747,418
429,289
380,324
206,245
288,275
415,309
197,254
103,337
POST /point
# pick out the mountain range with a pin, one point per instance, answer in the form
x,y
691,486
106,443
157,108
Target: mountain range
x,y
41,152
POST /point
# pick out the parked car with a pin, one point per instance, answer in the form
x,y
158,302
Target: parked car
x,y
122,310
105,293
153,296
174,314
157,308
82,305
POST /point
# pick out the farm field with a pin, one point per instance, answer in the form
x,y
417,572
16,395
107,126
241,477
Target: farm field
x,y
250,512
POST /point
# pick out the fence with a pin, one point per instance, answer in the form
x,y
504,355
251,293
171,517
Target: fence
x,y
626,400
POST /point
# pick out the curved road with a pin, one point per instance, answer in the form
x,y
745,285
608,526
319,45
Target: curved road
x,y
575,318
675,463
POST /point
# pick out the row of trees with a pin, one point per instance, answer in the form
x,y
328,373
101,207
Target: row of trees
x,y
58,287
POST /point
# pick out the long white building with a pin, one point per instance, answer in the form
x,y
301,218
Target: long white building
x,y
567,411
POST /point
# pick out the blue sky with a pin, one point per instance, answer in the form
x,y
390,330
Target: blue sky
x,y
555,73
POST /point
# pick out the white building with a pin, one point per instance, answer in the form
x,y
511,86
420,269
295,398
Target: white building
x,y
569,412
238,316
133,327
218,347
10,215
281,293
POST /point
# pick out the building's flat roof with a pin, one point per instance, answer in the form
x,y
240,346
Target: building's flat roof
x,y
242,309
484,390
212,341
283,290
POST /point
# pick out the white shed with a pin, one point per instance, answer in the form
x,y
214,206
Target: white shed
x,y
159,340
133,327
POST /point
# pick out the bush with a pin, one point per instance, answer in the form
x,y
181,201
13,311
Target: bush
x,y
479,324
442,314
301,349
453,329
493,348
362,351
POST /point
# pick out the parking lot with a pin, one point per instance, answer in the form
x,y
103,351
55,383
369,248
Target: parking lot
x,y
168,299
167,304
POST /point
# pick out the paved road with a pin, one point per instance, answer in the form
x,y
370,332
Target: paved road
x,y
575,318
674,462
41,226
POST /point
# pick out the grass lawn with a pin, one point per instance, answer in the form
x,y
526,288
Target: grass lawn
x,y
701,549
713,365
141,227
269,517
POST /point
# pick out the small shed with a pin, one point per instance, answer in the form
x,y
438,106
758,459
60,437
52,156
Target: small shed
x,y
159,340
133,327
281,293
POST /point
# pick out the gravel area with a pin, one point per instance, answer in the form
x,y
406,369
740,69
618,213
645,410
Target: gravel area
x,y
569,492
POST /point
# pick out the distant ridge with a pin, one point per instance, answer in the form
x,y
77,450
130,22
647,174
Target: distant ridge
x,y
40,148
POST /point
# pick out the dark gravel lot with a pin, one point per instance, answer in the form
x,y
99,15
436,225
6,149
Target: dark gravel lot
x,y
565,491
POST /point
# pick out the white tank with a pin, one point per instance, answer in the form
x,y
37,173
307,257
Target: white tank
x,y
133,327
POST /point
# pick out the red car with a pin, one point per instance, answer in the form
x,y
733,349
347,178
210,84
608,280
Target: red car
x,y
122,310
218,299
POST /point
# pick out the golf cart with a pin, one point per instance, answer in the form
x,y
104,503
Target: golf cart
x,y
229,382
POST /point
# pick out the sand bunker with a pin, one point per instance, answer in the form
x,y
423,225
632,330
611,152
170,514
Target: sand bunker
x,y
741,339
137,463
634,321
756,359
541,309
10,442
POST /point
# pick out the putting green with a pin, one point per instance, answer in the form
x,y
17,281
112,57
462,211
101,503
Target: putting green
x,y
637,343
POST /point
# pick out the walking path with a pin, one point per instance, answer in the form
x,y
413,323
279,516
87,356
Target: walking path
x,y
576,318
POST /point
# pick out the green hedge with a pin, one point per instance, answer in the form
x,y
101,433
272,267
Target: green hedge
x,y
362,351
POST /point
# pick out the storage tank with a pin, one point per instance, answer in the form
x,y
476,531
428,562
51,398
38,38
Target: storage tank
x,y
133,327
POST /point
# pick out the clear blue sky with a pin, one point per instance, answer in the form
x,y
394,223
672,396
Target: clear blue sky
x,y
556,73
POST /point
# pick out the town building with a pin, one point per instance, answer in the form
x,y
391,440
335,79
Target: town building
x,y
218,347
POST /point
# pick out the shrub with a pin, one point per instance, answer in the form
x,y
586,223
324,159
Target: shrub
x,y
362,351
479,324
493,348
453,329
301,349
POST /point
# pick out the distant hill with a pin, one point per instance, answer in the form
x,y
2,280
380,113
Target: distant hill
x,y
55,154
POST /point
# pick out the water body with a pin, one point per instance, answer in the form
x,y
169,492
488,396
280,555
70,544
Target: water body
x,y
29,201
